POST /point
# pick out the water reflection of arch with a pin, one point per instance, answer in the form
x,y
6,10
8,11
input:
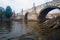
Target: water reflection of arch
x,y
44,12
6,26
25,18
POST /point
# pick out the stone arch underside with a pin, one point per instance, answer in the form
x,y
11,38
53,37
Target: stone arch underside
x,y
44,12
25,17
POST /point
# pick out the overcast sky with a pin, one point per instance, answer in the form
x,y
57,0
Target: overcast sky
x,y
17,5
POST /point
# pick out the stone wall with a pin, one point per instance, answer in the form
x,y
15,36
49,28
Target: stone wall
x,y
39,8
32,16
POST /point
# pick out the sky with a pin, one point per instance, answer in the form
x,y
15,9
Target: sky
x,y
17,5
54,11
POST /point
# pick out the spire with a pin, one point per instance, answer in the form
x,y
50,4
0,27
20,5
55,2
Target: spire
x,y
34,8
33,4
21,11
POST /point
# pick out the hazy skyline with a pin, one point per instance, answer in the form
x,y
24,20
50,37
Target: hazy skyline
x,y
17,5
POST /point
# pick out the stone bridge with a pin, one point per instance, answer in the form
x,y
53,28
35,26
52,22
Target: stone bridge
x,y
39,13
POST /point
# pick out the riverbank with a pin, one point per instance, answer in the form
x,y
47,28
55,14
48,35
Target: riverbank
x,y
48,30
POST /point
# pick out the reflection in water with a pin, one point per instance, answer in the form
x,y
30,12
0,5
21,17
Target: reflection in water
x,y
8,25
5,27
12,29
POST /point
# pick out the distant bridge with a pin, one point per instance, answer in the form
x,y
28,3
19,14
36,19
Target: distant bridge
x,y
41,11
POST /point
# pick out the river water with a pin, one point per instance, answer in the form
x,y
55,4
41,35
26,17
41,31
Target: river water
x,y
10,30
15,30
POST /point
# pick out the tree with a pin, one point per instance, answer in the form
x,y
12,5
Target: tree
x,y
2,12
8,13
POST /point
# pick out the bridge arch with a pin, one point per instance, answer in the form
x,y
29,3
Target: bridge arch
x,y
25,17
44,12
